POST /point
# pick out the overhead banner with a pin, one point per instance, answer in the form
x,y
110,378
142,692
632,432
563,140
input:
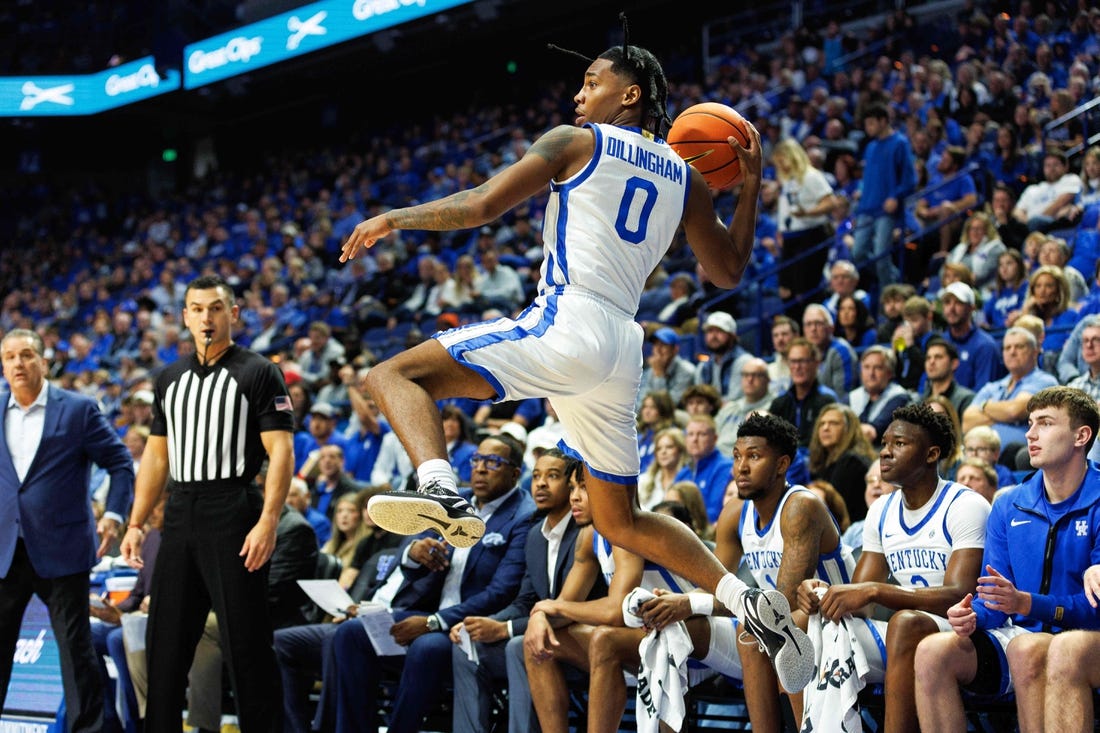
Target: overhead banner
x,y
254,46
84,94
301,31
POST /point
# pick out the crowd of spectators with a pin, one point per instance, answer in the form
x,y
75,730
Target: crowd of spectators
x,y
1009,245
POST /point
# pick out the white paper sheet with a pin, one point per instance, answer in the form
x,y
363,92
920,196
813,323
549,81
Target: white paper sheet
x,y
327,594
467,644
377,620
133,630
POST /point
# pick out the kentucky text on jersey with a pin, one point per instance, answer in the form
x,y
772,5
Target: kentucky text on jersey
x,y
645,159
762,559
917,558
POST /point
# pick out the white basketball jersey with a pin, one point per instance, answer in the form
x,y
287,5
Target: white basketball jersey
x,y
606,228
654,576
763,548
918,543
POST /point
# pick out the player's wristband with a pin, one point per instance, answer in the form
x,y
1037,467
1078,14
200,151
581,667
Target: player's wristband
x,y
702,604
138,527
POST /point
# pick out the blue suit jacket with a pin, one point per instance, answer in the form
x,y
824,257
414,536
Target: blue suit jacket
x,y
536,580
52,504
494,568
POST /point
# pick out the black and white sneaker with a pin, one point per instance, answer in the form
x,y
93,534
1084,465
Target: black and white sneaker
x,y
767,616
429,507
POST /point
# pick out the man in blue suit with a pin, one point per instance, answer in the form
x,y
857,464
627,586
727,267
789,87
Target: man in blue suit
x,y
498,638
305,652
472,581
47,532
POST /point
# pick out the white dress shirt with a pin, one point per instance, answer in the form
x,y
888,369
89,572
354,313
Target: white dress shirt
x,y
23,430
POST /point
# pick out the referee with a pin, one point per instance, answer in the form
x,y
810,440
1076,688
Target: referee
x,y
216,414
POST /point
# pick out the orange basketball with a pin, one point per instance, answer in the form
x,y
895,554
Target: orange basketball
x,y
700,135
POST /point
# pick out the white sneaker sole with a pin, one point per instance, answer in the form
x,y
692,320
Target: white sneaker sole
x,y
794,663
409,515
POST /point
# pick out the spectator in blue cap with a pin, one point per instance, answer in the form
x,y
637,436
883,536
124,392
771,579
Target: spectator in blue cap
x,y
665,369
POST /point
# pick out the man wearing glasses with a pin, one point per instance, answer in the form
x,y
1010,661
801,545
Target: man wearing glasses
x,y
468,581
1089,380
839,368
756,394
983,442
803,402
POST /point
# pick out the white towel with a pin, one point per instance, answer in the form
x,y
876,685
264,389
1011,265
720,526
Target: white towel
x,y
840,672
663,675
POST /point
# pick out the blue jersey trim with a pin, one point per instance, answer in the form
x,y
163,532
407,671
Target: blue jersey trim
x,y
836,556
927,516
458,351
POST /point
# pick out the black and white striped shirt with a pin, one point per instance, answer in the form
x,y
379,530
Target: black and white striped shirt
x,y
213,415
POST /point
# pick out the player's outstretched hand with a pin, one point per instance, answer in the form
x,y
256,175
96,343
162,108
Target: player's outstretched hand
x,y
365,234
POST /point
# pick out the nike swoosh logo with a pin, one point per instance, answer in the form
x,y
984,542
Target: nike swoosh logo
x,y
1018,522
693,158
441,523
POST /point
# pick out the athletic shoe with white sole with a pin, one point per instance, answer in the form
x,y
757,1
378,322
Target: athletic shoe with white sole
x,y
767,616
429,507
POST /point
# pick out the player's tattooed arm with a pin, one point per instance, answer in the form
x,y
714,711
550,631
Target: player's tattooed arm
x,y
453,212
802,524
553,145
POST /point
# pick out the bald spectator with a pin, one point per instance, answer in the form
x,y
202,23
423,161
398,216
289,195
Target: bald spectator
x,y
1003,404
838,369
755,395
979,361
298,498
665,369
709,468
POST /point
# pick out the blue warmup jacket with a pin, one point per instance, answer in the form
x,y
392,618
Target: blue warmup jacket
x,y
1044,559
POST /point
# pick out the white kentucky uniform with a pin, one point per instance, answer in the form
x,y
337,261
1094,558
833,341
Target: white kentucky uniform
x,y
917,545
762,548
605,230
762,552
656,576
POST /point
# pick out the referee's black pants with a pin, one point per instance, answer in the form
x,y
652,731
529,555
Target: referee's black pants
x,y
199,568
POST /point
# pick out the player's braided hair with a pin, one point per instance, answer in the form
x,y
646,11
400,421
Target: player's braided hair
x,y
641,67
